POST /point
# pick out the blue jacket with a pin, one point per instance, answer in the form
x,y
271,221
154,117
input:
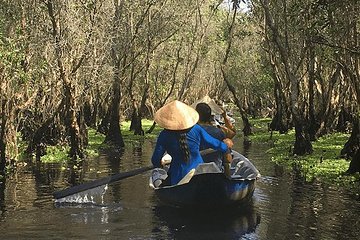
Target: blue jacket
x,y
216,157
214,131
168,141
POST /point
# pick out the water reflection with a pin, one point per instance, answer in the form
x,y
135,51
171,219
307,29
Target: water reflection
x,y
205,224
289,207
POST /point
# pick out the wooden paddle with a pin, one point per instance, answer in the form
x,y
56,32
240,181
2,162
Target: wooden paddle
x,y
102,181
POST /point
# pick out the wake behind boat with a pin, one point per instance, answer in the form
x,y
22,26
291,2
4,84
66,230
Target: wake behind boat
x,y
207,186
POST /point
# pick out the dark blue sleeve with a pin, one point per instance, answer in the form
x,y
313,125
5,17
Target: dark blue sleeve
x,y
214,132
158,152
210,142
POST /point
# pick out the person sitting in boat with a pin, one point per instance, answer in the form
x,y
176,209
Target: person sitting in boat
x,y
221,133
181,139
206,120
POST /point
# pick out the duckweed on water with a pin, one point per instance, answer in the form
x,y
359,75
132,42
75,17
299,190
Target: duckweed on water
x,y
324,164
129,136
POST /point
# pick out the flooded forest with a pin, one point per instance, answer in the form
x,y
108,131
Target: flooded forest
x,y
68,66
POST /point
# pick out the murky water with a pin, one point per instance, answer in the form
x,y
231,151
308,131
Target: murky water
x,y
283,206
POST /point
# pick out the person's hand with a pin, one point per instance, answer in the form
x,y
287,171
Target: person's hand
x,y
223,114
165,160
228,142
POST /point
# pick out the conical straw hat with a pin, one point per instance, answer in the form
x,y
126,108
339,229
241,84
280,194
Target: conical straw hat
x,y
215,109
176,115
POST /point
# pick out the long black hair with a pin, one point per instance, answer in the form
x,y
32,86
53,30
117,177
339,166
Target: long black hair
x,y
182,137
184,146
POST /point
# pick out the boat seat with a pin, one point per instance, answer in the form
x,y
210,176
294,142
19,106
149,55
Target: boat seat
x,y
187,177
200,169
210,167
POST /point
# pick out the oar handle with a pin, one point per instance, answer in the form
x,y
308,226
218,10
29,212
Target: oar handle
x,y
102,181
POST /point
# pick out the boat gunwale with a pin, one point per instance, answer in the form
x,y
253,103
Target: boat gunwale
x,y
194,178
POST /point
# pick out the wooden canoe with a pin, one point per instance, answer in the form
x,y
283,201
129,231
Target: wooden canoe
x,y
209,187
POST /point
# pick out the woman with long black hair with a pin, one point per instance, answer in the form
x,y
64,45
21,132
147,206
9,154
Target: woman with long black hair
x,y
181,139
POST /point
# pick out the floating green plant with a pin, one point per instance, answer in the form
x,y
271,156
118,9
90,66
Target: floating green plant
x,y
96,142
324,164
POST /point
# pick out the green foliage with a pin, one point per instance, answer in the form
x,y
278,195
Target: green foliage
x,y
96,142
56,154
324,164
60,153
129,136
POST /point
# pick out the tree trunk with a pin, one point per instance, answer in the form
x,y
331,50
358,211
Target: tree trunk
x,y
105,122
355,163
76,143
8,138
279,123
247,126
343,120
136,124
326,108
137,114
83,129
353,144
38,142
352,70
87,112
151,129
352,147
302,143
71,123
114,136
313,123
2,139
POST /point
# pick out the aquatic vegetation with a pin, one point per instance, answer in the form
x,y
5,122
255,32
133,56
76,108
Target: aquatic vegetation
x,y
96,142
129,136
324,164
55,154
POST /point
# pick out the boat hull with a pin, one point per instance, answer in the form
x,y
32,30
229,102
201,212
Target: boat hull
x,y
208,190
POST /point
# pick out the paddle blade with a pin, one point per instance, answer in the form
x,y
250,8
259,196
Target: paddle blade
x,y
99,182
90,196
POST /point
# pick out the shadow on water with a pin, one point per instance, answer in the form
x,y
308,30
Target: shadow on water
x,y
227,223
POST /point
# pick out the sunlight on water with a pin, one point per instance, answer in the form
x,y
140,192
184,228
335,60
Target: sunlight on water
x,y
93,196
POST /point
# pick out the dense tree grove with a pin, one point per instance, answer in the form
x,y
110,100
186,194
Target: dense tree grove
x,y
69,65
312,48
